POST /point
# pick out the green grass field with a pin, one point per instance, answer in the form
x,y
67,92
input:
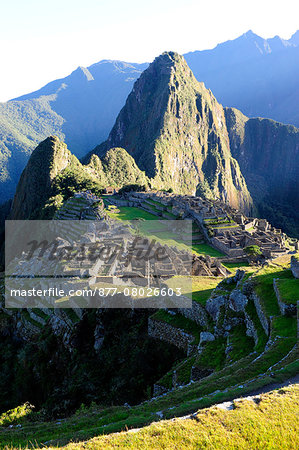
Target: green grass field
x,y
202,288
167,237
264,287
131,213
289,290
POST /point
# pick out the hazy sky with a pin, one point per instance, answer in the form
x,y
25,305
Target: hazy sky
x,y
41,40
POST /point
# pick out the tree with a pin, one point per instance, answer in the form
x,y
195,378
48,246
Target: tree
x,y
253,250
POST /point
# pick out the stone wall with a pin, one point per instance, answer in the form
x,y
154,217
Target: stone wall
x,y
295,266
263,319
250,328
168,333
118,202
196,313
233,252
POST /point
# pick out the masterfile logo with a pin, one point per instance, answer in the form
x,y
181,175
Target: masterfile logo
x,y
98,264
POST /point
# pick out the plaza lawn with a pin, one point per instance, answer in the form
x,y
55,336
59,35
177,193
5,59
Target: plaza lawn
x,y
160,231
206,249
131,213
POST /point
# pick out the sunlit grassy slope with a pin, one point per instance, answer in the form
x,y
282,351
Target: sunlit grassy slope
x,y
270,422
148,228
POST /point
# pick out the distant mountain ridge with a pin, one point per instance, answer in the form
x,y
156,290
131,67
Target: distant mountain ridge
x,y
257,76
80,109
174,130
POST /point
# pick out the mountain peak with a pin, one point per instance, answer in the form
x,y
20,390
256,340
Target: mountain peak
x,y
295,38
249,34
175,130
49,158
165,62
169,55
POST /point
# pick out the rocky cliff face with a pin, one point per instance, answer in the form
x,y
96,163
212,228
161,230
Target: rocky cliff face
x,y
268,155
34,188
267,150
175,130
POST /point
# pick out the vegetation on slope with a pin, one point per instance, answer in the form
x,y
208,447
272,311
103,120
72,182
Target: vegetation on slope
x,y
268,422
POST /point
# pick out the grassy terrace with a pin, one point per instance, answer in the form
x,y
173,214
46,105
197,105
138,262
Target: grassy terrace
x,y
213,355
284,326
183,373
230,381
242,344
289,290
95,421
264,287
167,237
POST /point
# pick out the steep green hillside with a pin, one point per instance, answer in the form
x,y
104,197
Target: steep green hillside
x,y
121,169
80,109
175,130
22,126
257,423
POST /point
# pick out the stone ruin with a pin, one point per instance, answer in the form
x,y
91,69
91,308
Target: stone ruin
x,y
206,266
225,228
295,266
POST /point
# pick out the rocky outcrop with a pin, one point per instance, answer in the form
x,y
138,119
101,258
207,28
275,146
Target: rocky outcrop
x,y
196,313
214,304
237,301
206,336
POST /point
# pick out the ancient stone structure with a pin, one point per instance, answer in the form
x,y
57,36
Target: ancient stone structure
x,y
166,332
295,266
225,228
262,316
